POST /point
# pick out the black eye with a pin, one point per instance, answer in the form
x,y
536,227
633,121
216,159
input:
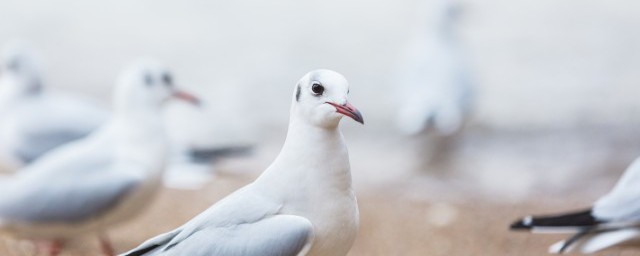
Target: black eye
x,y
167,79
148,79
317,88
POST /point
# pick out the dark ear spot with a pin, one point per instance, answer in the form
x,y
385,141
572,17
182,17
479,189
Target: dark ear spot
x,y
298,93
167,79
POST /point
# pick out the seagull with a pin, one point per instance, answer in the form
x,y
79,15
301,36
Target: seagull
x,y
88,185
35,120
434,82
613,219
302,204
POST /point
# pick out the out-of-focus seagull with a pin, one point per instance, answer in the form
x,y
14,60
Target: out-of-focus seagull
x,y
87,186
613,219
34,119
303,203
192,167
433,81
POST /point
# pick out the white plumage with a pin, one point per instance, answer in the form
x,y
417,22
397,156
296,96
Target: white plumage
x,y
303,203
433,82
613,219
34,119
88,185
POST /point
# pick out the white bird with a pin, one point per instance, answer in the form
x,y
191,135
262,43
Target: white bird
x,y
302,204
34,119
89,185
613,219
434,86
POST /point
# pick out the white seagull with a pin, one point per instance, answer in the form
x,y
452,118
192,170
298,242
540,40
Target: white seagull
x,y
302,204
435,89
87,186
34,119
612,220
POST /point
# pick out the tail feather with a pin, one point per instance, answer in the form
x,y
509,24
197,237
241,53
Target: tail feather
x,y
605,240
573,239
142,251
591,241
212,154
153,244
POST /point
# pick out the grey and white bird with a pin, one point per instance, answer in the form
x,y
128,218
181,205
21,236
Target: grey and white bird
x,y
89,185
613,219
33,118
302,204
434,85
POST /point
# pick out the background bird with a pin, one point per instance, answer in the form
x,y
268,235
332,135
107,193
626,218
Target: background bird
x,y
435,88
303,204
35,119
89,185
613,219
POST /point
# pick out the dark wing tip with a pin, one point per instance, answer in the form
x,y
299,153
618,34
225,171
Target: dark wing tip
x,y
582,218
142,251
212,154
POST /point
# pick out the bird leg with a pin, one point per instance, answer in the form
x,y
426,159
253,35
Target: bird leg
x,y
105,245
50,247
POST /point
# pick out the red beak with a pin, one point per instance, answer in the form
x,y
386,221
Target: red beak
x,y
186,97
348,110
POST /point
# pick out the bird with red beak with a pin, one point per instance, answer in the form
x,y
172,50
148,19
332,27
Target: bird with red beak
x,y
321,98
87,186
302,204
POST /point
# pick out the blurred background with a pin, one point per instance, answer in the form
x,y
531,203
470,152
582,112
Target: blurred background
x,y
553,124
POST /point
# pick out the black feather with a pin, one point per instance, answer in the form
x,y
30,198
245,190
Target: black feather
x,y
575,219
143,251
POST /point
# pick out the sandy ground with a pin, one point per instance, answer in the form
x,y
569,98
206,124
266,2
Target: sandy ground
x,y
390,225
409,208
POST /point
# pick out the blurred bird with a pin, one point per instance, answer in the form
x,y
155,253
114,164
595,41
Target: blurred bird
x,y
303,204
91,184
193,167
435,89
613,219
33,119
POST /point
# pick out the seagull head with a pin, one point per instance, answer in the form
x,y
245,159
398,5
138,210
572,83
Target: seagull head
x,y
321,97
148,84
20,69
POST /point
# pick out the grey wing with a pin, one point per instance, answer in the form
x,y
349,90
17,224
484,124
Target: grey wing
x,y
65,199
38,143
279,235
54,121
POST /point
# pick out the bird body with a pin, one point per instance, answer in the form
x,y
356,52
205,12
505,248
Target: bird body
x,y
30,134
34,118
302,204
434,82
613,219
88,185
